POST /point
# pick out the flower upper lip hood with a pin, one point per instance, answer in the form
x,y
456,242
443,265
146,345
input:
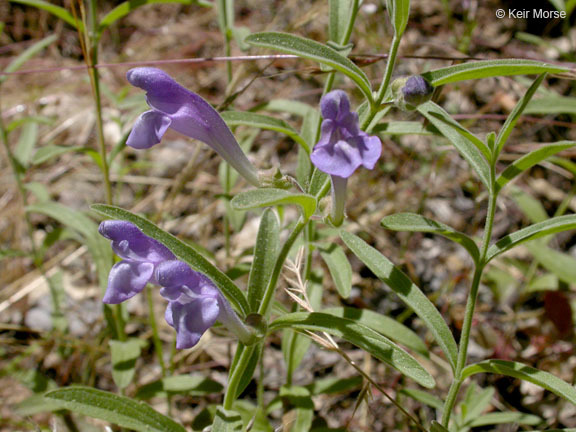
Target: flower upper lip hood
x,y
343,147
140,255
177,108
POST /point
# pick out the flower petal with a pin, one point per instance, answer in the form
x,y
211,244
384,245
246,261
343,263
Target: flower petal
x,y
192,319
130,243
192,116
126,279
148,130
341,159
334,103
370,148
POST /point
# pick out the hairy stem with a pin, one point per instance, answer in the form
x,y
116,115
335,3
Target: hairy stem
x,y
471,304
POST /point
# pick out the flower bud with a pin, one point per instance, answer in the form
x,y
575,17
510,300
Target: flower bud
x,y
411,92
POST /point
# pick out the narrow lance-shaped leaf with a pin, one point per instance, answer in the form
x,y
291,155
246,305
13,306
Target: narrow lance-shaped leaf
x,y
312,50
361,336
417,223
526,373
529,160
256,198
57,11
260,121
424,397
495,418
408,292
339,268
26,143
552,105
119,410
466,147
466,134
489,68
27,54
512,119
124,355
399,11
340,14
540,229
227,421
265,253
383,324
182,252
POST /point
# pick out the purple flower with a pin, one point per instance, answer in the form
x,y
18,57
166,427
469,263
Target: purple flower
x,y
179,109
140,255
195,304
416,91
343,147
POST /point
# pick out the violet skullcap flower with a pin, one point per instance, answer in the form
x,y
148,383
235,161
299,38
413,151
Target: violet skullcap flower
x,y
343,147
195,303
140,255
179,109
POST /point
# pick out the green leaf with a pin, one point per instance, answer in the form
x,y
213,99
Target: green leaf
x,y
227,421
182,251
424,397
126,7
294,344
124,355
361,336
26,143
559,263
334,385
529,160
248,372
97,245
408,292
312,50
300,398
512,119
489,68
504,418
540,229
399,11
289,106
466,147
26,55
476,401
340,13
268,197
35,404
44,154
552,105
339,268
416,223
437,427
525,373
260,121
57,11
119,410
383,324
191,385
318,182
401,128
466,134
265,253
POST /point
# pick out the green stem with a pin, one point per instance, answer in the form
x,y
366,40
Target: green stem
x,y
95,85
154,326
471,304
237,373
375,106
